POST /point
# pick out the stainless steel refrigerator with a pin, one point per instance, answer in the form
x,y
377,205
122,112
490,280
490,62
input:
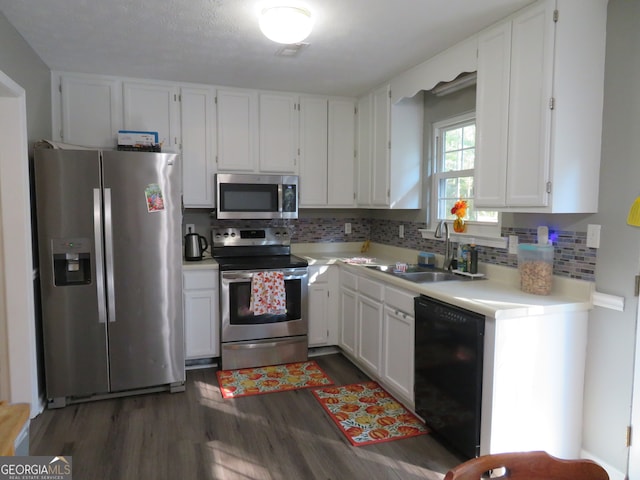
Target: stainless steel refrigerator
x,y
110,250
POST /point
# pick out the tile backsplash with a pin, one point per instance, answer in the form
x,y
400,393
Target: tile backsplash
x,y
572,257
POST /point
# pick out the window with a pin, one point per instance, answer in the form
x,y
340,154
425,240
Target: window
x,y
454,161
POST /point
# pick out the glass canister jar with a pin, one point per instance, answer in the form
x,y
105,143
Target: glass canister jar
x,y
535,264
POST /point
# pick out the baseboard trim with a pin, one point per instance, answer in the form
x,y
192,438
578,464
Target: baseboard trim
x,y
614,473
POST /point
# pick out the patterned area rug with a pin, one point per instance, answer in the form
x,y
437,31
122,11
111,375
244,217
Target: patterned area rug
x,y
367,414
271,379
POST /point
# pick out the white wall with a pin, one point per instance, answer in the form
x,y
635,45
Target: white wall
x,y
610,354
25,116
20,63
17,295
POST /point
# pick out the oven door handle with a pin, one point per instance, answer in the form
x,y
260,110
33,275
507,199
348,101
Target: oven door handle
x,y
248,274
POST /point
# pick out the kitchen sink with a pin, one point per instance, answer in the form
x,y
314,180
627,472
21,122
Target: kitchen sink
x,y
418,274
433,276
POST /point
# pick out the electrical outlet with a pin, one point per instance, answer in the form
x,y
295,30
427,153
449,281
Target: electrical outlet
x,y
593,236
401,231
190,227
513,244
347,228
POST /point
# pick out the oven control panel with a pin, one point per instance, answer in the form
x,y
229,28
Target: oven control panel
x,y
238,237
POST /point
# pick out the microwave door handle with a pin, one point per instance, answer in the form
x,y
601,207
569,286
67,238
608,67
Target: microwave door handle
x,y
280,198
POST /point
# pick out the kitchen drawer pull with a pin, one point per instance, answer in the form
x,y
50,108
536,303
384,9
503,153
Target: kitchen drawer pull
x,y
258,344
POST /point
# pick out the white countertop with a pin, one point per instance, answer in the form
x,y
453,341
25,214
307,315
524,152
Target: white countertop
x,y
497,296
206,263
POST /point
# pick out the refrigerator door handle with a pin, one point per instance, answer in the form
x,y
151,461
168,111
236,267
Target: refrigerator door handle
x,y
99,260
108,227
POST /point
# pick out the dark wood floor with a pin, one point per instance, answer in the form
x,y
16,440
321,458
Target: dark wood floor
x,y
198,435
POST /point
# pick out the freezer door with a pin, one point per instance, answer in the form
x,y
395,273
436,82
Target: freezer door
x,y
143,245
68,200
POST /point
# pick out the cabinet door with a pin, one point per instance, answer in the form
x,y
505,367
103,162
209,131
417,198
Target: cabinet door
x,y
363,158
323,310
529,108
341,188
492,116
380,152
404,177
348,316
370,317
318,314
201,319
313,152
397,351
91,111
278,131
198,146
153,107
237,127
201,332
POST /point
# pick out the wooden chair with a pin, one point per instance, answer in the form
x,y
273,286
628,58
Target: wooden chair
x,y
527,466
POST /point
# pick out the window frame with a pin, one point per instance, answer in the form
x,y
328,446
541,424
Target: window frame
x,y
474,227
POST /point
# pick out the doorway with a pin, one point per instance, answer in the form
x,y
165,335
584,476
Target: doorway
x,y
18,365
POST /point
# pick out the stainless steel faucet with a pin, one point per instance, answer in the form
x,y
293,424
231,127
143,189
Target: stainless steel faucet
x,y
446,264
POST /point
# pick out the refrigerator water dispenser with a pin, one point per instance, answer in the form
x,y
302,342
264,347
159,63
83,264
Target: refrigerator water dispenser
x,y
71,261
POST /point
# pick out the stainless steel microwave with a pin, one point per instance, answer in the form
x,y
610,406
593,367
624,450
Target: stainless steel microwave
x,y
248,196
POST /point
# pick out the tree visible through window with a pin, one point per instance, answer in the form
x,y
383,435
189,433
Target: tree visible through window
x,y
455,141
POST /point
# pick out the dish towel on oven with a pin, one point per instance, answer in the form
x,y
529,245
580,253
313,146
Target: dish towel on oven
x,y
268,294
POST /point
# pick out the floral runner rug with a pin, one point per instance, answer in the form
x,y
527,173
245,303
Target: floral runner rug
x,y
367,414
271,379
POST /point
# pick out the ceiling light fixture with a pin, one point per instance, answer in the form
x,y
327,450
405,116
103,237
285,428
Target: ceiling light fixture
x,y
286,24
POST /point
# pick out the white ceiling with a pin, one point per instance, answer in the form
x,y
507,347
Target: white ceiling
x,y
355,45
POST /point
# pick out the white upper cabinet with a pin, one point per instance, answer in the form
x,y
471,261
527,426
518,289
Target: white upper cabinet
x,y
313,151
278,132
198,117
492,115
363,148
539,109
151,106
381,146
91,111
237,130
390,143
341,149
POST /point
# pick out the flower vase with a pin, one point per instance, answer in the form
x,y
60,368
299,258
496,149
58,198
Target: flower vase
x,y
459,226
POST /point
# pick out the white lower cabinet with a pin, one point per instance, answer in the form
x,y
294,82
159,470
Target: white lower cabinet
x,y
348,312
377,331
201,320
323,309
369,323
398,333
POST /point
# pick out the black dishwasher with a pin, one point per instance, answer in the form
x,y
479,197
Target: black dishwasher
x,y
449,347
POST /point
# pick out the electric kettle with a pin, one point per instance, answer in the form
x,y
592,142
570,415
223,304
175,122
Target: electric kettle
x,y
194,246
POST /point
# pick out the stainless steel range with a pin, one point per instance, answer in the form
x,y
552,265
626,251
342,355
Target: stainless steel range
x,y
263,297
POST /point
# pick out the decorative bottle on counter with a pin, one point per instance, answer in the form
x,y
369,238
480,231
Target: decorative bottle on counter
x,y
463,253
472,259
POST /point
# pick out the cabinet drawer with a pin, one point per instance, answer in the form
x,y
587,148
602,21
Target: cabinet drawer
x,y
348,279
399,299
371,289
200,280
